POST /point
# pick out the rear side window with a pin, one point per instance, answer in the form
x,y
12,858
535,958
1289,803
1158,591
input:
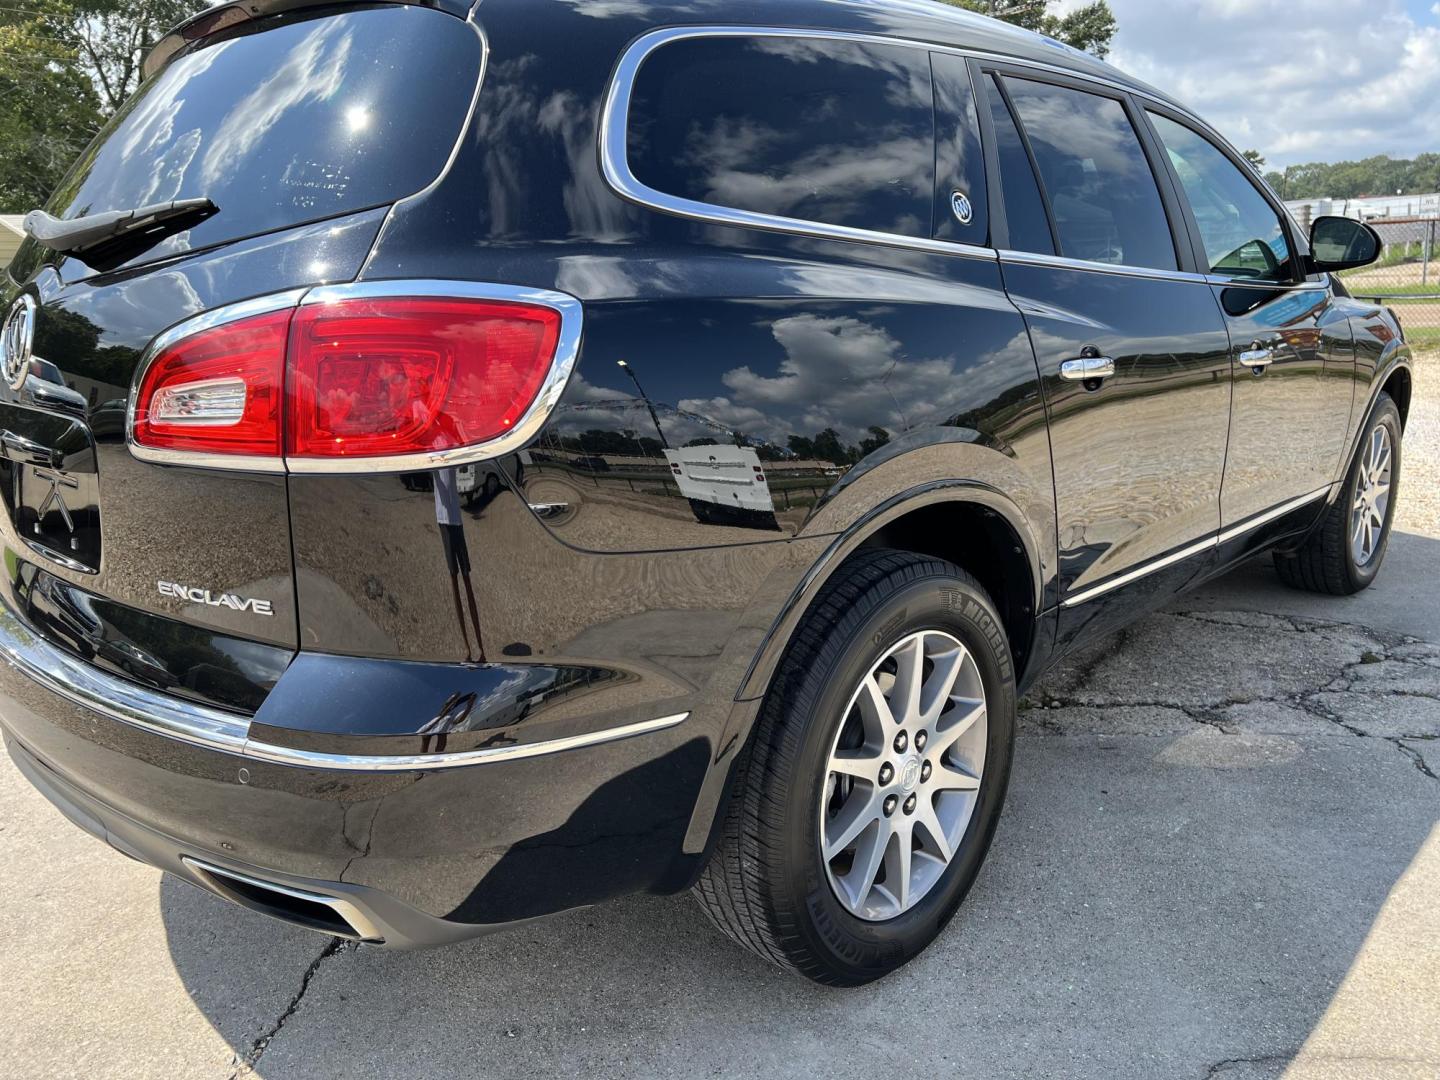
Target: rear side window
x,y
1025,215
961,210
288,122
1104,198
831,132
1243,235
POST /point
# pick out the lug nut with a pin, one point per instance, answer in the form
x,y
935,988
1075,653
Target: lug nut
x,y
890,803
901,742
920,740
910,805
924,772
887,773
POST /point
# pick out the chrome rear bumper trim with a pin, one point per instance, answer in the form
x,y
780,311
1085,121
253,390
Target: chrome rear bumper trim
x,y
78,682
489,755
129,703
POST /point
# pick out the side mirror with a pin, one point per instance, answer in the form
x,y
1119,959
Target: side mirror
x,y
1338,243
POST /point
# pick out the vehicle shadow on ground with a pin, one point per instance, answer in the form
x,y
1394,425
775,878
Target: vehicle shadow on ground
x,y
1177,889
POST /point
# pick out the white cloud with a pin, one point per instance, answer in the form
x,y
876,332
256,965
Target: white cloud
x,y
1310,80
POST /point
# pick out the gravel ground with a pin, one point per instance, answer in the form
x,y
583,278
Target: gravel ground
x,y
1419,509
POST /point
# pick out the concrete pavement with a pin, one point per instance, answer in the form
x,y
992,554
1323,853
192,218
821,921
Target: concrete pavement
x,y
1220,858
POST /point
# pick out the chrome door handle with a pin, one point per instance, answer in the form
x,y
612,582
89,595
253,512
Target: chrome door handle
x,y
1086,368
1257,359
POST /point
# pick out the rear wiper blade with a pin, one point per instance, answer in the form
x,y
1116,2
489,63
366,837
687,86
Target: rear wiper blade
x,y
78,235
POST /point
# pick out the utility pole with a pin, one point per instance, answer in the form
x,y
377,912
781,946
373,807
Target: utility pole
x,y
645,398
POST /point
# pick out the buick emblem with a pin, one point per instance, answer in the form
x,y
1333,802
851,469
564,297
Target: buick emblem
x,y
961,208
17,342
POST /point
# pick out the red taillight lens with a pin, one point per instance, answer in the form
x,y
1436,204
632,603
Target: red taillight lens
x,y
392,376
362,377
217,392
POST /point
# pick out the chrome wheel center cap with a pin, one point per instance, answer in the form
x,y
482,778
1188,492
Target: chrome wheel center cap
x,y
910,775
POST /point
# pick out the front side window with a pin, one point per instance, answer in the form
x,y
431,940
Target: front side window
x,y
1103,196
831,132
1243,235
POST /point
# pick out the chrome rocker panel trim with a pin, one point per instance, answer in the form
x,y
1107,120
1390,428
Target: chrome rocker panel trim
x,y
567,351
1211,542
214,729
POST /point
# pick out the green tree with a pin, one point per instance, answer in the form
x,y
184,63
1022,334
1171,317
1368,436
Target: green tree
x,y
1090,28
65,67
1378,175
1256,160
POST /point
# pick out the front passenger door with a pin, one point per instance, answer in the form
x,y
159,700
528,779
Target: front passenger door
x,y
1291,347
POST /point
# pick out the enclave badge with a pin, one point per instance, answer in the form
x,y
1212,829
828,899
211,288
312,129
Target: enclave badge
x,y
17,342
213,599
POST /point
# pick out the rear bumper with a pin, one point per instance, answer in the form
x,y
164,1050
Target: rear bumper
x,y
413,851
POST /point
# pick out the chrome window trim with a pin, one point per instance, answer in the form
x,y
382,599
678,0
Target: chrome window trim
x,y
567,351
615,165
1060,262
489,755
1210,543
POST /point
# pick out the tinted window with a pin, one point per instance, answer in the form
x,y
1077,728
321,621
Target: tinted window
x,y
1243,235
835,132
1024,209
959,162
1104,198
288,123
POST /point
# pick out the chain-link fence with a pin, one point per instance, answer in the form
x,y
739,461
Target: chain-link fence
x,y
1407,277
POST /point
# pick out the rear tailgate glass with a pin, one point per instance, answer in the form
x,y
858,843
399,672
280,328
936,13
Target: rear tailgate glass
x,y
287,121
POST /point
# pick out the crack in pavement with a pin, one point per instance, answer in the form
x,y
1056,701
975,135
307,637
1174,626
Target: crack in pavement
x,y
245,1065
1388,667
1214,1071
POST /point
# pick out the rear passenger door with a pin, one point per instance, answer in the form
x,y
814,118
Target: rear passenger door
x,y
1293,356
1131,347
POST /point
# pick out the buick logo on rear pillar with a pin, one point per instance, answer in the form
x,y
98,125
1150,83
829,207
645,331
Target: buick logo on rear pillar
x,y
17,342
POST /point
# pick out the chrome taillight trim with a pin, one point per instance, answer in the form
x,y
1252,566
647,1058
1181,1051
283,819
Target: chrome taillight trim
x,y
567,351
210,320
562,366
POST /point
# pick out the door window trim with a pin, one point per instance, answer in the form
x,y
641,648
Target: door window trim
x,y
1186,267
614,165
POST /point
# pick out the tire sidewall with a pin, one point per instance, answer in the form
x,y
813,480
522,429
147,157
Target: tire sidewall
x,y
945,603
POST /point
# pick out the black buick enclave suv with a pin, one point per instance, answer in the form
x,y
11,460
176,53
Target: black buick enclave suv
x,y
467,461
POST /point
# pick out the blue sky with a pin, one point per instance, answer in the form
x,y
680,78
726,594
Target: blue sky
x,y
1300,80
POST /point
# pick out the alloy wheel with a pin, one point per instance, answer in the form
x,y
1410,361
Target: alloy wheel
x,y
1372,497
903,778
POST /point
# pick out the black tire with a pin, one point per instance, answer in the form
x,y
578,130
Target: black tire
x,y
1326,563
765,885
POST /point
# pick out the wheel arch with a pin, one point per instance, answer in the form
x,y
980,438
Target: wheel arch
x,y
968,522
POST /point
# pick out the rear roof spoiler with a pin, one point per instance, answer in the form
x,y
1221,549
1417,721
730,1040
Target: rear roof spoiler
x,y
224,16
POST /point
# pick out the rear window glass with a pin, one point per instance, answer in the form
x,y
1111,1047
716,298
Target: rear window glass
x,y
834,132
287,122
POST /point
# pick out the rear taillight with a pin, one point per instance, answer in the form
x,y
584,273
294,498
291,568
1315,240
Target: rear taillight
x,y
388,380
407,376
217,392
